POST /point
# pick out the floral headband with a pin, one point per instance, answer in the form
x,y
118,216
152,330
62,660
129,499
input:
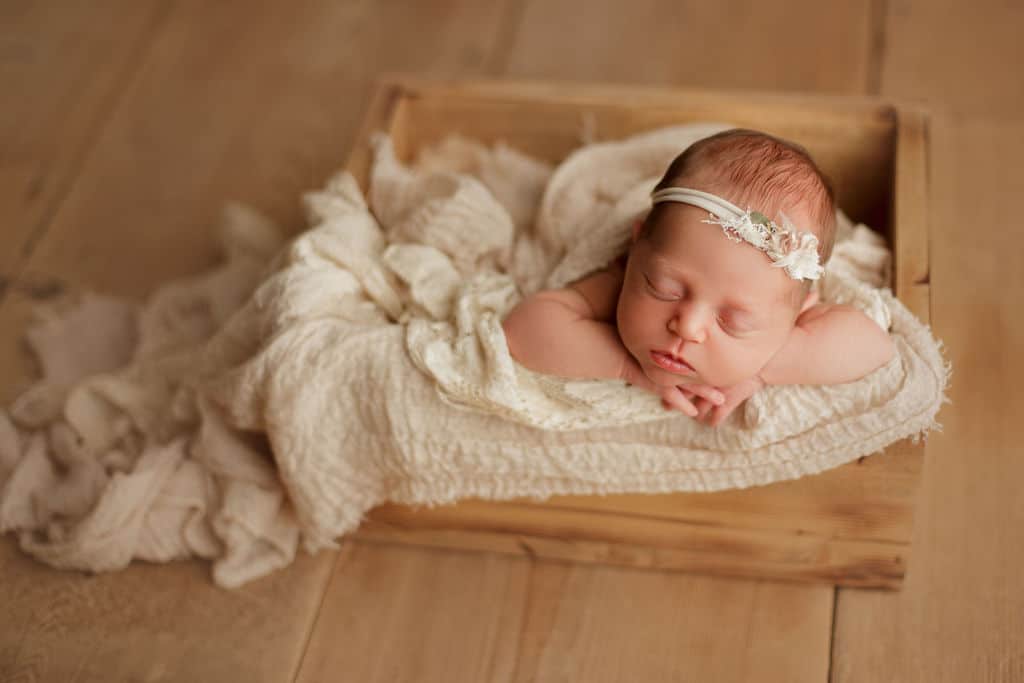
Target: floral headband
x,y
787,247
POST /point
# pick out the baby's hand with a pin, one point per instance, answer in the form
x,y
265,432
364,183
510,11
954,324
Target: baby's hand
x,y
678,397
689,397
715,414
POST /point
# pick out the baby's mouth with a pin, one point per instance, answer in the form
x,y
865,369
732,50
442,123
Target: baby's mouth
x,y
671,363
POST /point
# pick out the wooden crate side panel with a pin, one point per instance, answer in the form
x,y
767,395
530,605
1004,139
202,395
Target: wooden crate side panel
x,y
581,94
870,499
857,156
852,138
643,542
911,261
381,116
867,500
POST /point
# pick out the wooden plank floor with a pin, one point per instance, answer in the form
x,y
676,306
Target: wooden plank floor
x,y
123,131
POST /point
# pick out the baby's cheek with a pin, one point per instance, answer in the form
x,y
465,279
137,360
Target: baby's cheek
x,y
731,366
627,322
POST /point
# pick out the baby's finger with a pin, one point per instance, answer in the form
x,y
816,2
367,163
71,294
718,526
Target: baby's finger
x,y
704,407
705,391
677,400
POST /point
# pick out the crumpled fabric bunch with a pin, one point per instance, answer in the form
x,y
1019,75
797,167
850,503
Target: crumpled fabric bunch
x,y
271,402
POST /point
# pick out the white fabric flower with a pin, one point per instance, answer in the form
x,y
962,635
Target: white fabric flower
x,y
787,247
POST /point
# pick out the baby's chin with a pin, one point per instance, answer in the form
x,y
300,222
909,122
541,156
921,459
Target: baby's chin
x,y
664,378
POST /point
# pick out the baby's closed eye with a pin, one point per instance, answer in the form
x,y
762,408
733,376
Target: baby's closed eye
x,y
737,323
663,290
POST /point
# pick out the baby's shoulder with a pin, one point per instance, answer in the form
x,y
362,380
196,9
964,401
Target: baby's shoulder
x,y
601,289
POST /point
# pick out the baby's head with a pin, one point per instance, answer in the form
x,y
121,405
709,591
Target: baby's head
x,y
692,293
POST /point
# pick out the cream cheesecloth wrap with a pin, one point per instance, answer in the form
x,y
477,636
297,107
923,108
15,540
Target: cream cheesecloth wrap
x,y
278,397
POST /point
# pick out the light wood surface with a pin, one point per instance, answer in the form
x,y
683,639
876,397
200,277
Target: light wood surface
x,y
961,57
798,46
396,613
237,101
153,622
960,615
61,74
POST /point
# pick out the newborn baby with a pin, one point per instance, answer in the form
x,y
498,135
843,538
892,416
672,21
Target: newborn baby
x,y
711,302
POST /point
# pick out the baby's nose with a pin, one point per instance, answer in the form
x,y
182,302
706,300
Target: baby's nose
x,y
688,325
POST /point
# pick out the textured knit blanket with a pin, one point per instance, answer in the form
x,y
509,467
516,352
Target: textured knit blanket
x,y
275,399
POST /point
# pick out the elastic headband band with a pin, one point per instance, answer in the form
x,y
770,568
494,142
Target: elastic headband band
x,y
787,247
705,200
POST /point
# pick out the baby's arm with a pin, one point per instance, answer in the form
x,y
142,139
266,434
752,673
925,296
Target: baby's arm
x,y
562,331
552,332
830,344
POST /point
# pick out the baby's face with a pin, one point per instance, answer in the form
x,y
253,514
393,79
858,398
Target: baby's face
x,y
693,295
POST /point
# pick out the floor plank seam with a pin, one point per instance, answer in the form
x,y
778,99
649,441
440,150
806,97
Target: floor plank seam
x,y
832,635
319,608
497,61
877,13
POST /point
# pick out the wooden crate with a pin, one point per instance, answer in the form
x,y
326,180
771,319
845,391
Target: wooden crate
x,y
850,525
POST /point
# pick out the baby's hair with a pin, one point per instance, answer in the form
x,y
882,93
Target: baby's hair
x,y
756,170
